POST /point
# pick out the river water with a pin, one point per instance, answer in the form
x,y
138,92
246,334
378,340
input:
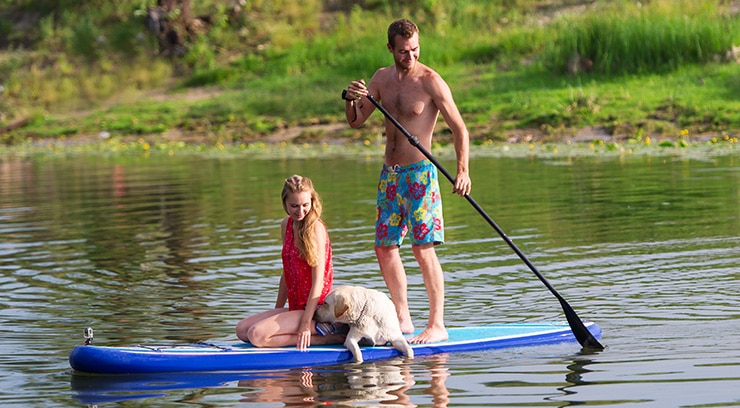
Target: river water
x,y
177,249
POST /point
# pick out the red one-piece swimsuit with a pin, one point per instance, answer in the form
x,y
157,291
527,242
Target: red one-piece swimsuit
x,y
297,272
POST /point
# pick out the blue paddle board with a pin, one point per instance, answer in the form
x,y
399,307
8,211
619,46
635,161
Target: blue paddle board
x,y
142,359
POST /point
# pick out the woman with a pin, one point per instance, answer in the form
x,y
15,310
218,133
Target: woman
x,y
306,279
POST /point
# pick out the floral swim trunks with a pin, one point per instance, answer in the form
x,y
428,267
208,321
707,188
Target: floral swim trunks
x,y
408,197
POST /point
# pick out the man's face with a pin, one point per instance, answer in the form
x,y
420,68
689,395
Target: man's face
x,y
405,51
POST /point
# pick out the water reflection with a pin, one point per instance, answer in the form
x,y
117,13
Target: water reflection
x,y
387,383
366,383
97,389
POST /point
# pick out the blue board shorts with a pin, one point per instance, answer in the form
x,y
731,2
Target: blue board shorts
x,y
409,198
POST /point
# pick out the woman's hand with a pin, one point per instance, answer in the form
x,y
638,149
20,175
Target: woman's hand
x,y
304,338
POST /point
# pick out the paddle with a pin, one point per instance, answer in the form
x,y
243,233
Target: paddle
x,y
584,337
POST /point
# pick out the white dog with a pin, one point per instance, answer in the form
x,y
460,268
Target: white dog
x,y
370,315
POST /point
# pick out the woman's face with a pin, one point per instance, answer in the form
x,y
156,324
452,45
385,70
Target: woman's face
x,y
298,205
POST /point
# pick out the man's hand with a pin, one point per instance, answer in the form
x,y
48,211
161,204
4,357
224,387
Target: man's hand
x,y
356,89
462,185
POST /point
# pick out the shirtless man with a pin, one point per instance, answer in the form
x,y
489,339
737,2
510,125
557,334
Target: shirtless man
x,y
408,190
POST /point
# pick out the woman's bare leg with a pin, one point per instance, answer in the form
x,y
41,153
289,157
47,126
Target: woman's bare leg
x,y
280,330
243,326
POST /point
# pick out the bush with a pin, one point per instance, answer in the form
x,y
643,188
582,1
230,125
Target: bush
x,y
85,39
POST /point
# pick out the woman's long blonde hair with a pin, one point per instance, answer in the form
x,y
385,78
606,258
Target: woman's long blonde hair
x,y
305,229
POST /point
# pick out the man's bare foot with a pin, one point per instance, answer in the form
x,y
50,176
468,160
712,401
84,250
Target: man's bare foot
x,y
407,326
430,335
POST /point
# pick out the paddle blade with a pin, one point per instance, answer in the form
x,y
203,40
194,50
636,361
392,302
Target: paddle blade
x,y
580,331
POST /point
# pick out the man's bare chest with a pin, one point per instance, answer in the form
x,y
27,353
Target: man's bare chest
x,y
408,102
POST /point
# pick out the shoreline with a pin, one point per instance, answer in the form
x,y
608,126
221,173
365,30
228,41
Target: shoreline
x,y
522,144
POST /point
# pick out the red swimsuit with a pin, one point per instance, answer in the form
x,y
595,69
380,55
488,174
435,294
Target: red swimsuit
x,y
298,274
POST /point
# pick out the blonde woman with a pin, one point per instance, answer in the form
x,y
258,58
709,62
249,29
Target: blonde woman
x,y
307,277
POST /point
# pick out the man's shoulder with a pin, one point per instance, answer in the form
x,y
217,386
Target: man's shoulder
x,y
384,70
427,72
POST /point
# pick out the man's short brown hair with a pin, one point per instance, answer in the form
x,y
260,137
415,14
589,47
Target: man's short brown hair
x,y
403,27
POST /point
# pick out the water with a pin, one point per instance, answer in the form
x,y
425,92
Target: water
x,y
176,250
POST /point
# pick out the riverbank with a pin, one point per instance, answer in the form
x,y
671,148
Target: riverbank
x,y
513,82
316,137
328,142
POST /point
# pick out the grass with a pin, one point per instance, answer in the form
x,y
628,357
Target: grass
x,y
653,70
63,147
628,38
692,96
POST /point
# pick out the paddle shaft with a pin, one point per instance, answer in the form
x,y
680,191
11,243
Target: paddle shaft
x,y
584,337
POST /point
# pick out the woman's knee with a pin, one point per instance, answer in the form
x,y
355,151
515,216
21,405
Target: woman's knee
x,y
256,337
242,329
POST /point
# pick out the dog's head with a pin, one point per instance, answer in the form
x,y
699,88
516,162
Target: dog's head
x,y
339,306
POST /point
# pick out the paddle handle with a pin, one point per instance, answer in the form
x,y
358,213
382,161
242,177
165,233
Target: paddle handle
x,y
584,337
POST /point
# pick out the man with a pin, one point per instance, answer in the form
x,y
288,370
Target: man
x,y
408,190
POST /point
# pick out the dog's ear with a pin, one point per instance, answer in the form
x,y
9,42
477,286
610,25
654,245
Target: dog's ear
x,y
341,305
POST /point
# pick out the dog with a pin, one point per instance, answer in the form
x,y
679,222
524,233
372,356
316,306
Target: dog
x,y
370,315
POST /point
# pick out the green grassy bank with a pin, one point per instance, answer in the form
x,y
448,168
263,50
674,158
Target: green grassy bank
x,y
536,71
